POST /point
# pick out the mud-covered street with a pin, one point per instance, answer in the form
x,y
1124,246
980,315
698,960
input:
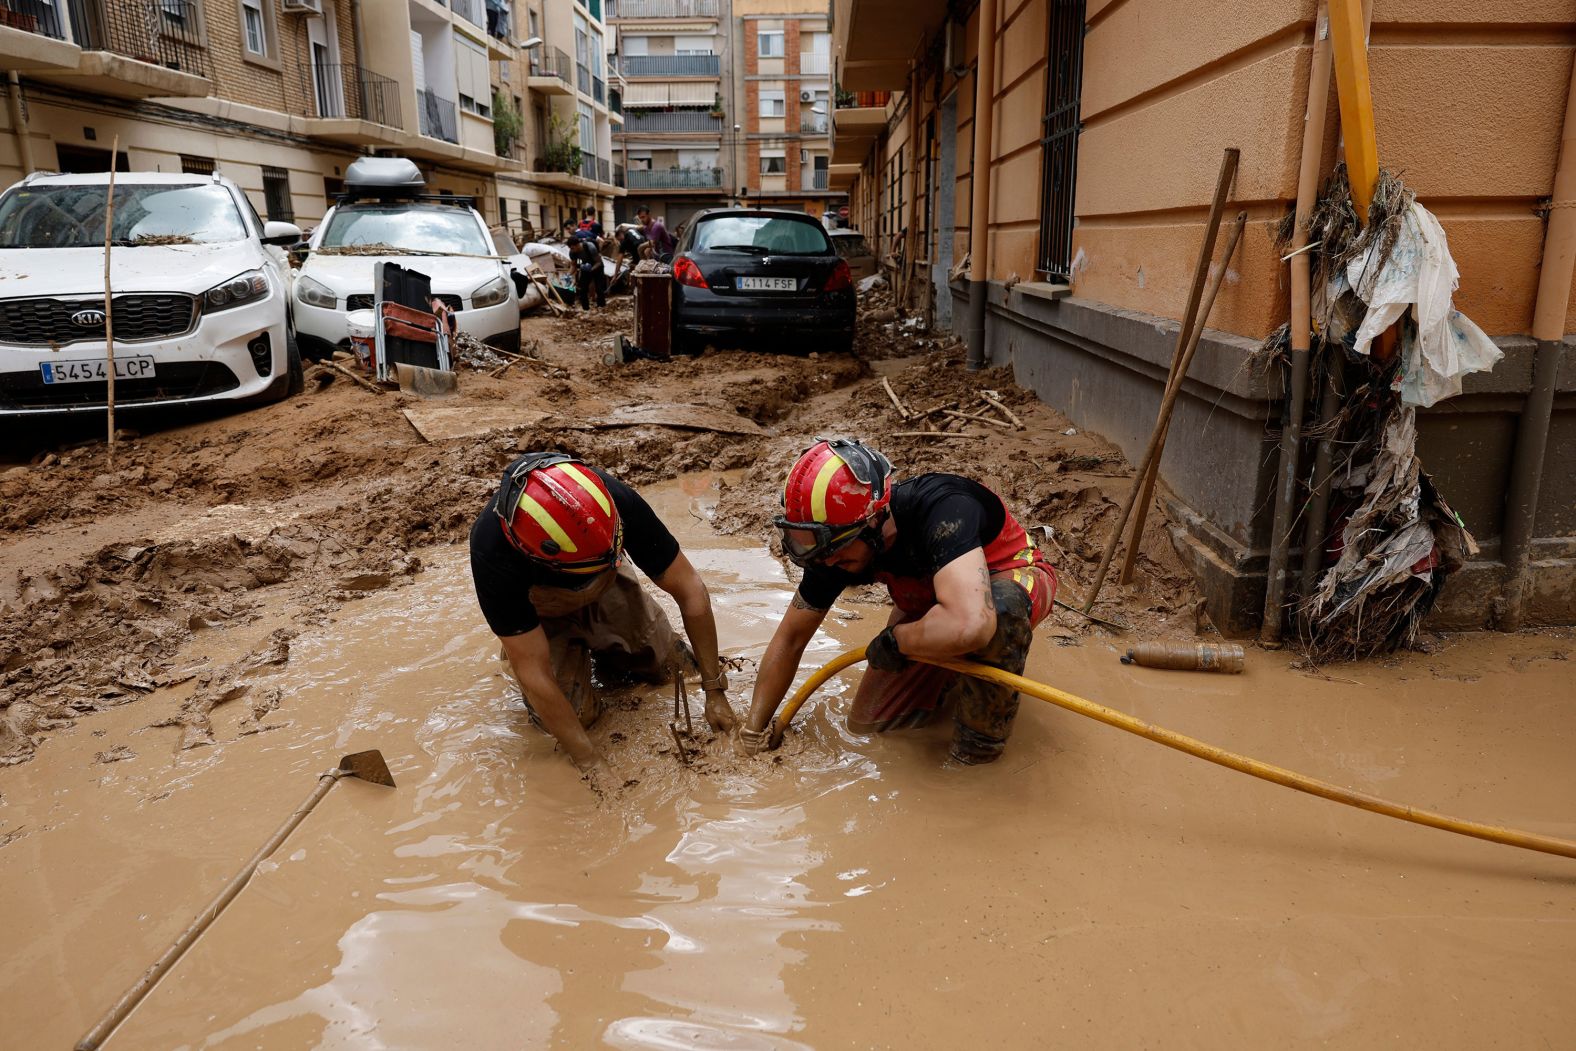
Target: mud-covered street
x,y
192,633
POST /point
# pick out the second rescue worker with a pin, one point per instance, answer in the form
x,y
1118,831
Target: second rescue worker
x,y
547,561
965,579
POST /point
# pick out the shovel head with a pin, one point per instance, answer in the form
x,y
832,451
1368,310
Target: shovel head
x,y
369,766
424,382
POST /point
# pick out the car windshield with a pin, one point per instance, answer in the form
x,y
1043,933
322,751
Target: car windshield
x,y
761,233
73,216
405,228
850,244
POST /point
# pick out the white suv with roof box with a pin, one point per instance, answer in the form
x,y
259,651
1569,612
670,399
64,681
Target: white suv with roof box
x,y
384,215
201,294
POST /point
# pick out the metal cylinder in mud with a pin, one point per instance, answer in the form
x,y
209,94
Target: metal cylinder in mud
x,y
1224,657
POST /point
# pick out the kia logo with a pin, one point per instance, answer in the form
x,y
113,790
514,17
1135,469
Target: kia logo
x,y
88,318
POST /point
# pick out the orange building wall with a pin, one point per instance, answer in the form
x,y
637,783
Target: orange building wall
x,y
1468,98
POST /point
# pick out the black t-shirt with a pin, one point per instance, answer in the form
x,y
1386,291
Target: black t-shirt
x,y
586,254
938,517
504,577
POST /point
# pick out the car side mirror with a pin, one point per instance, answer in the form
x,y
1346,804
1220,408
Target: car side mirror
x,y
278,233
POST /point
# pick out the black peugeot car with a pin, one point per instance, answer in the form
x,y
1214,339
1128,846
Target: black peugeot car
x,y
762,276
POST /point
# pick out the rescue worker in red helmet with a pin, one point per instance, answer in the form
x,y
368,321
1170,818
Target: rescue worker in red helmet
x,y
547,559
965,580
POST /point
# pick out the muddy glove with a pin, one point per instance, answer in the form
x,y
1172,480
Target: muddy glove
x,y
883,655
751,742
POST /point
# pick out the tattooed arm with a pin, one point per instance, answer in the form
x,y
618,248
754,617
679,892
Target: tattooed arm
x,y
964,616
781,660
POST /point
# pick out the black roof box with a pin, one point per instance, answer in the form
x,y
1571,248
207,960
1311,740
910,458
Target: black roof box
x,y
393,176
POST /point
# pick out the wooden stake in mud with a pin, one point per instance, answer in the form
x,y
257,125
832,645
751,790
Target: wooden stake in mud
x,y
1206,252
1157,439
109,299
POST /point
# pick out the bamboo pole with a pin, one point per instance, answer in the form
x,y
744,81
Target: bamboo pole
x,y
109,298
1157,439
1206,252
1301,333
1198,749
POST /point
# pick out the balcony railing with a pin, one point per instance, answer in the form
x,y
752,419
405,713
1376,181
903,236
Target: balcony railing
x,y
604,170
863,99
618,175
812,126
639,122
32,16
615,101
662,8
814,63
674,178
671,65
341,89
551,63
598,89
158,32
583,78
814,179
470,10
440,117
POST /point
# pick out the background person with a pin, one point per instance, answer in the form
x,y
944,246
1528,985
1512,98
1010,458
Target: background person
x,y
662,242
965,581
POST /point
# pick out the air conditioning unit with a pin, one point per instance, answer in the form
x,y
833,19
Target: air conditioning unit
x,y
806,96
956,47
303,7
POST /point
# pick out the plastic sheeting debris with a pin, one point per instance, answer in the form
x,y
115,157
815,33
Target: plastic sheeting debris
x,y
1418,275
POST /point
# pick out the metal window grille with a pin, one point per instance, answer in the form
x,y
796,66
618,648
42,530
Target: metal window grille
x,y
196,165
276,195
1059,137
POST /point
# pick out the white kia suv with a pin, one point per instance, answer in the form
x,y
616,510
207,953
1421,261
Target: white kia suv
x,y
201,294
384,216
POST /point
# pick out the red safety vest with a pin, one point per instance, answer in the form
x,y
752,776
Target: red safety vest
x,y
1010,552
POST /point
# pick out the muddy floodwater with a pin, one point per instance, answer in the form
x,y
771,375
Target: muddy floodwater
x,y
1089,890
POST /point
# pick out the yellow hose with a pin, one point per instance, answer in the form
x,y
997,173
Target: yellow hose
x,y
1182,743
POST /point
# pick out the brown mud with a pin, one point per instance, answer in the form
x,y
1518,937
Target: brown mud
x,y
1090,889
110,569
191,634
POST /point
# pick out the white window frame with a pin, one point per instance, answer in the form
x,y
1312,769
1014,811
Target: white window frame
x,y
762,50
779,96
263,9
780,156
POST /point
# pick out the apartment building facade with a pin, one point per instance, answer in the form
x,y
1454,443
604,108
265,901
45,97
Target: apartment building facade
x,y
675,56
784,90
280,95
1107,125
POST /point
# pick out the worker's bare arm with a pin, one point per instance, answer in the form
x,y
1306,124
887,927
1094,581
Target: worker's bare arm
x,y
964,616
685,585
781,660
529,657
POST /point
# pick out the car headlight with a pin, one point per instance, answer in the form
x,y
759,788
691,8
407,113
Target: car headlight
x,y
315,293
490,294
242,288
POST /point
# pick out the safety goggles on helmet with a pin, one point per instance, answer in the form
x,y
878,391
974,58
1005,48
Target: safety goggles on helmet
x,y
508,500
807,542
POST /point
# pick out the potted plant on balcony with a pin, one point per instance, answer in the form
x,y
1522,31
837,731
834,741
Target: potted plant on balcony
x,y
507,124
563,150
716,106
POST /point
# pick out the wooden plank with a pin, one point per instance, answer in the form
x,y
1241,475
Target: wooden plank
x,y
1349,45
445,422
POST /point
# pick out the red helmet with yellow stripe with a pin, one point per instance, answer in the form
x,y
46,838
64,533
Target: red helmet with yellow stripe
x,y
557,512
835,491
